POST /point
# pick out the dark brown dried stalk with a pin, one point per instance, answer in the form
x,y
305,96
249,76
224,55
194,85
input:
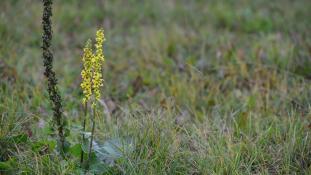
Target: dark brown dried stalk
x,y
50,74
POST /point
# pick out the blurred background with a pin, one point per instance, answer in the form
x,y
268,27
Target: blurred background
x,y
232,77
196,53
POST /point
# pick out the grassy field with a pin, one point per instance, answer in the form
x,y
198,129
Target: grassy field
x,y
200,87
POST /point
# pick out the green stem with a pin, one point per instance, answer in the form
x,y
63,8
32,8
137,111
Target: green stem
x,y
83,131
92,134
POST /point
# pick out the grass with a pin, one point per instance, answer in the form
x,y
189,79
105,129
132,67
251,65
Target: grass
x,y
217,87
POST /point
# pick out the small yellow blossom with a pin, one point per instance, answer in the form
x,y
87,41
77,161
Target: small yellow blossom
x,y
92,72
97,65
86,73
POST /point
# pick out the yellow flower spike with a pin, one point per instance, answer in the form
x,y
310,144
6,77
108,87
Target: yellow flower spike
x,y
97,65
92,69
86,73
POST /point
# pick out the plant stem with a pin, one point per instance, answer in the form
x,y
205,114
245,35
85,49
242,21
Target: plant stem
x,y
50,74
92,134
83,130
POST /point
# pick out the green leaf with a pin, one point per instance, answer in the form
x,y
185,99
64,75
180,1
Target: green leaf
x,y
38,146
4,166
52,144
66,146
75,150
67,132
7,165
99,168
113,149
85,146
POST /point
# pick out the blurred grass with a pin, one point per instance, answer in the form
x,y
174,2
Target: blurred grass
x,y
205,87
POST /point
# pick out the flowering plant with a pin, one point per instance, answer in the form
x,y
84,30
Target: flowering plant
x,y
92,80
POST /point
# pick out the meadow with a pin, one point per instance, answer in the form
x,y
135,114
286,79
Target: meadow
x,y
190,87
